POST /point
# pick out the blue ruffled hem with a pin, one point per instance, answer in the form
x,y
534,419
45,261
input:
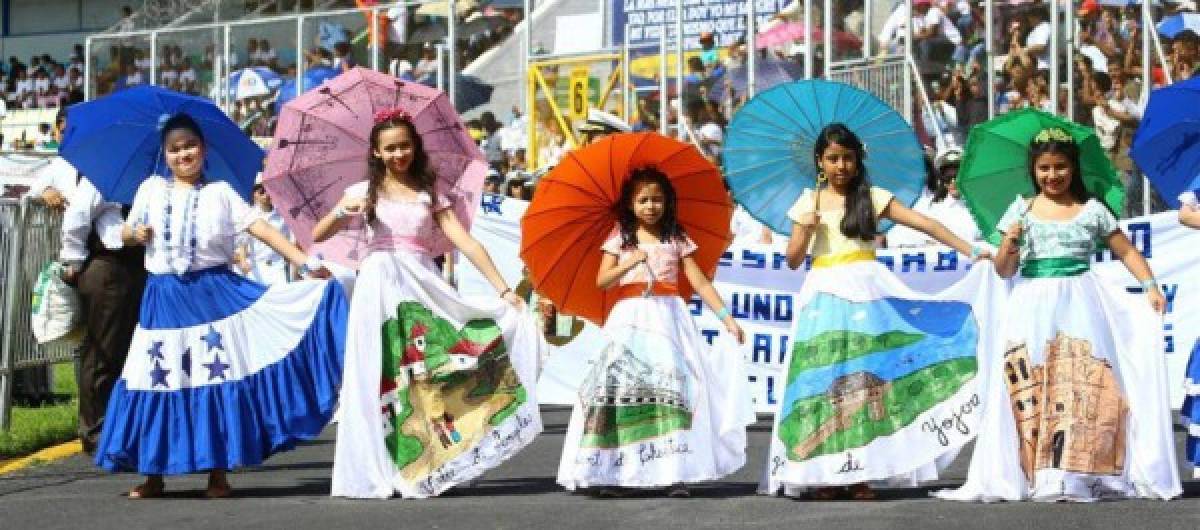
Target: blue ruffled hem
x,y
1191,408
234,424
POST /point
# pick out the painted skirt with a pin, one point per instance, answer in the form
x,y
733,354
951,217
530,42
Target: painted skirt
x,y
439,388
1076,402
660,406
882,381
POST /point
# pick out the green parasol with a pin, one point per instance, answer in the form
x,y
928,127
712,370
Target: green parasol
x,y
995,168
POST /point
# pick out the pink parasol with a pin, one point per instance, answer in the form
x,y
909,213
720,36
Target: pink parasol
x,y
321,145
789,32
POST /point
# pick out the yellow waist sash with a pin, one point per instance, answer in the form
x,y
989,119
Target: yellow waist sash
x,y
831,260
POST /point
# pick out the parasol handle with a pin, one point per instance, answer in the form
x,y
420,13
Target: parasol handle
x,y
1021,221
821,179
649,280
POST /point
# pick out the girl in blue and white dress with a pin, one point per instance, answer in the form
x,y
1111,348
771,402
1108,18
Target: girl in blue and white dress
x,y
1189,215
222,371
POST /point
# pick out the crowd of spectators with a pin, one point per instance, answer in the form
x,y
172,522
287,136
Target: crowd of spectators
x,y
950,54
43,82
409,53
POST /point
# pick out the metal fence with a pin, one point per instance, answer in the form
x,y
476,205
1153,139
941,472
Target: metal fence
x,y
883,77
214,50
29,237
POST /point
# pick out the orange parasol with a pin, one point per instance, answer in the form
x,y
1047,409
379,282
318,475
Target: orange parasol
x,y
574,212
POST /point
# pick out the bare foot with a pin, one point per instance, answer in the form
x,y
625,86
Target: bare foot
x,y
218,486
152,488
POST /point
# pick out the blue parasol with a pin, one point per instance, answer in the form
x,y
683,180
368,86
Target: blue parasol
x,y
1172,26
1166,145
768,155
313,77
115,141
253,82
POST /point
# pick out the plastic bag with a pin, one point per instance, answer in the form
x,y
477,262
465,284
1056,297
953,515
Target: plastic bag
x,y
56,310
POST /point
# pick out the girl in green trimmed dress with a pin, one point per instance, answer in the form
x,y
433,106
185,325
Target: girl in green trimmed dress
x,y
1076,408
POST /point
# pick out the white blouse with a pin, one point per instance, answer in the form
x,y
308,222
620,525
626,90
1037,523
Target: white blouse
x,y
218,212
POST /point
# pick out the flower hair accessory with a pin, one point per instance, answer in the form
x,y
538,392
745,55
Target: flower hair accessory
x,y
391,114
1053,134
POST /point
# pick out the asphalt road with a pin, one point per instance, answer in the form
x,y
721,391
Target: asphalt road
x,y
291,491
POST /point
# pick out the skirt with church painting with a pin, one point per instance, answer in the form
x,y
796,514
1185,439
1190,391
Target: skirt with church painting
x,y
661,406
1076,405
881,381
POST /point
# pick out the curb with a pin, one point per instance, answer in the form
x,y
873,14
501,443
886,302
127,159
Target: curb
x,y
49,454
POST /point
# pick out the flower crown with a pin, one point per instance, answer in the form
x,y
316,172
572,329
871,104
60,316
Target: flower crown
x,y
1053,134
391,114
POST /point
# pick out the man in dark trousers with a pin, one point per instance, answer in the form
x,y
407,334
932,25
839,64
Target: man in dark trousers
x,y
110,278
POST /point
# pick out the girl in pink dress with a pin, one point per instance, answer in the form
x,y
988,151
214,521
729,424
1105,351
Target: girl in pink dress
x,y
438,388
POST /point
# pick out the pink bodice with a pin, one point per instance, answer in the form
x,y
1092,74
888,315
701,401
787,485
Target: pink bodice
x,y
664,259
405,224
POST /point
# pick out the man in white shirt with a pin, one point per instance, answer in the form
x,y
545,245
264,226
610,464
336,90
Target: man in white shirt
x,y
110,278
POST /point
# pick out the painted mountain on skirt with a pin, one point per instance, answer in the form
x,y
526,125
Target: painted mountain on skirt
x,y
863,370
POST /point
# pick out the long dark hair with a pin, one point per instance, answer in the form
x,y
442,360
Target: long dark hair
x,y
858,222
1066,148
934,181
669,228
377,171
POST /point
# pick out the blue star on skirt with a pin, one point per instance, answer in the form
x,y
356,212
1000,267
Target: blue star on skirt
x,y
187,362
155,350
216,368
159,376
213,339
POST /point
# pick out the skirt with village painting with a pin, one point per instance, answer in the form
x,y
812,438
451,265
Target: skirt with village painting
x,y
439,388
1076,400
660,406
881,380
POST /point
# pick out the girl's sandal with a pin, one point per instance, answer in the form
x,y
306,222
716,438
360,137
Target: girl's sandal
x,y
862,492
612,492
147,490
679,491
223,491
827,493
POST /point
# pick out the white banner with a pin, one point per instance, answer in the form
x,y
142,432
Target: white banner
x,y
758,287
